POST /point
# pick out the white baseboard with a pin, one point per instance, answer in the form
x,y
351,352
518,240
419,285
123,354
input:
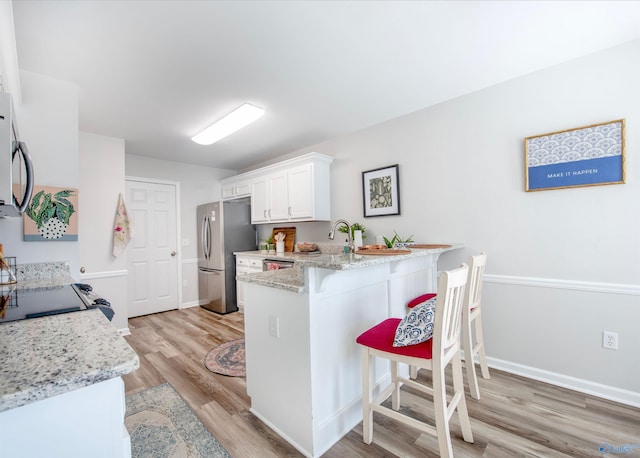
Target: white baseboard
x,y
124,332
611,393
186,305
280,433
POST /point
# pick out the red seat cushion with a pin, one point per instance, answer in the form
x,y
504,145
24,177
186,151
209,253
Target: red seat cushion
x,y
421,299
381,337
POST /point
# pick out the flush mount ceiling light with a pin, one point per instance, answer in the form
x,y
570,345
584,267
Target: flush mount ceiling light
x,y
237,119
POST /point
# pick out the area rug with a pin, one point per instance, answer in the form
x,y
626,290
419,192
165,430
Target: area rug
x,y
162,425
227,359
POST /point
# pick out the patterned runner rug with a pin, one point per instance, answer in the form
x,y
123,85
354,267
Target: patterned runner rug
x,y
162,425
227,359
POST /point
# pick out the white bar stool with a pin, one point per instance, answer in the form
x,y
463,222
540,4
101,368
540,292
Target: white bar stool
x,y
472,318
434,354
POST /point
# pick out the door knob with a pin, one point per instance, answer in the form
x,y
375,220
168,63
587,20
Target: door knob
x,y
173,253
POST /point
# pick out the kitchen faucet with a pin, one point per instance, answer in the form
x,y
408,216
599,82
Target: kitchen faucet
x,y
352,248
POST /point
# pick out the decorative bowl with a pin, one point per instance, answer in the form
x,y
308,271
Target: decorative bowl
x,y
307,246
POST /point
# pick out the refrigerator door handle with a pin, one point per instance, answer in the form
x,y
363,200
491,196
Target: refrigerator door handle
x,y
210,272
208,238
203,237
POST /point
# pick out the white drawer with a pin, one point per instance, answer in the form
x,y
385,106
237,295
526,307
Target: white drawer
x,y
248,264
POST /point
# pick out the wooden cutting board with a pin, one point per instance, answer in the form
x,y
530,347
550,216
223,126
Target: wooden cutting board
x,y
289,237
384,252
428,246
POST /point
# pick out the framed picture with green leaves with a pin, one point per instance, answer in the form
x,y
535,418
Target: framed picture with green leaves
x,y
52,215
381,191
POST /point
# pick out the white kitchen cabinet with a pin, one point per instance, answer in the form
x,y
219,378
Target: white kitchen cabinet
x,y
301,192
232,188
246,265
293,190
278,196
259,201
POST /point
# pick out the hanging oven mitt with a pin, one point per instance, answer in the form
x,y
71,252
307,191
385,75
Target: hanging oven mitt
x,y
123,229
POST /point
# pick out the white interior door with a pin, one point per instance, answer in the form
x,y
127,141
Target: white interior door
x,y
152,260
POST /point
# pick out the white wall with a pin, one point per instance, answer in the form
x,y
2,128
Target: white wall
x,y
198,185
48,123
563,264
101,181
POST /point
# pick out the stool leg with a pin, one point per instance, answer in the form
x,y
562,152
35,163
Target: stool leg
x,y
482,355
440,409
469,360
413,372
395,395
463,413
367,413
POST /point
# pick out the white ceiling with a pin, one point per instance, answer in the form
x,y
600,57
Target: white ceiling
x,y
156,72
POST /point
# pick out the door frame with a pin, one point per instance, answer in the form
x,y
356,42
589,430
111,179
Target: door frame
x,y
176,185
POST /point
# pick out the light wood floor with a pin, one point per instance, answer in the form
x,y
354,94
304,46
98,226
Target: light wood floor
x,y
515,416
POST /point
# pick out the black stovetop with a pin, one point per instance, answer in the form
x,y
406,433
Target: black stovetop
x,y
33,303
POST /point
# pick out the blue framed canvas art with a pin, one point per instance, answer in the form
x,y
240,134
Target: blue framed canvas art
x,y
586,156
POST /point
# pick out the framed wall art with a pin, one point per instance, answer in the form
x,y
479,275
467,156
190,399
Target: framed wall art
x,y
585,156
380,191
52,215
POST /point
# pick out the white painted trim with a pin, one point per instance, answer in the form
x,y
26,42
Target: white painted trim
x,y
151,180
280,433
124,332
179,240
104,274
187,305
598,287
190,261
277,166
611,393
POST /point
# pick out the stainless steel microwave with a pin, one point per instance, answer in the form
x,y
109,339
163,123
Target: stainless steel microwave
x,y
16,169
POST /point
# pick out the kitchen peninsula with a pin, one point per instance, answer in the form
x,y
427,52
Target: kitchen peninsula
x,y
61,391
303,365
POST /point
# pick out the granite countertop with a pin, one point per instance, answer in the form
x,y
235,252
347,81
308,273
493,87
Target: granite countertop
x,y
44,357
293,279
44,283
43,275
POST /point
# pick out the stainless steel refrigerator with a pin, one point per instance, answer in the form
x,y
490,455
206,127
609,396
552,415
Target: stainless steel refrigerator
x,y
225,227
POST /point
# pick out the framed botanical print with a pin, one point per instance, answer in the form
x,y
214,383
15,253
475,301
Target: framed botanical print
x,y
381,191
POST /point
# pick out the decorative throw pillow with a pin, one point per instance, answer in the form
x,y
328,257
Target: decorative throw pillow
x,y
417,326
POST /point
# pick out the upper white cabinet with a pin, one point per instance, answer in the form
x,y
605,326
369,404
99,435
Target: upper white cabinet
x,y
301,193
235,188
259,201
293,190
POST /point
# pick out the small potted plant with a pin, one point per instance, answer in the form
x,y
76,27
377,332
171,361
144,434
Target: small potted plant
x,y
397,241
271,245
354,227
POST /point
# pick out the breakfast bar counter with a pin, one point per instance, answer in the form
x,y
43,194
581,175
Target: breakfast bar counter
x,y
293,279
303,365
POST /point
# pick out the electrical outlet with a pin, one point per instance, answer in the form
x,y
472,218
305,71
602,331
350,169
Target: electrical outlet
x,y
274,326
610,340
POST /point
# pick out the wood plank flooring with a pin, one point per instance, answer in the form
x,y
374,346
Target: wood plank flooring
x,y
515,417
